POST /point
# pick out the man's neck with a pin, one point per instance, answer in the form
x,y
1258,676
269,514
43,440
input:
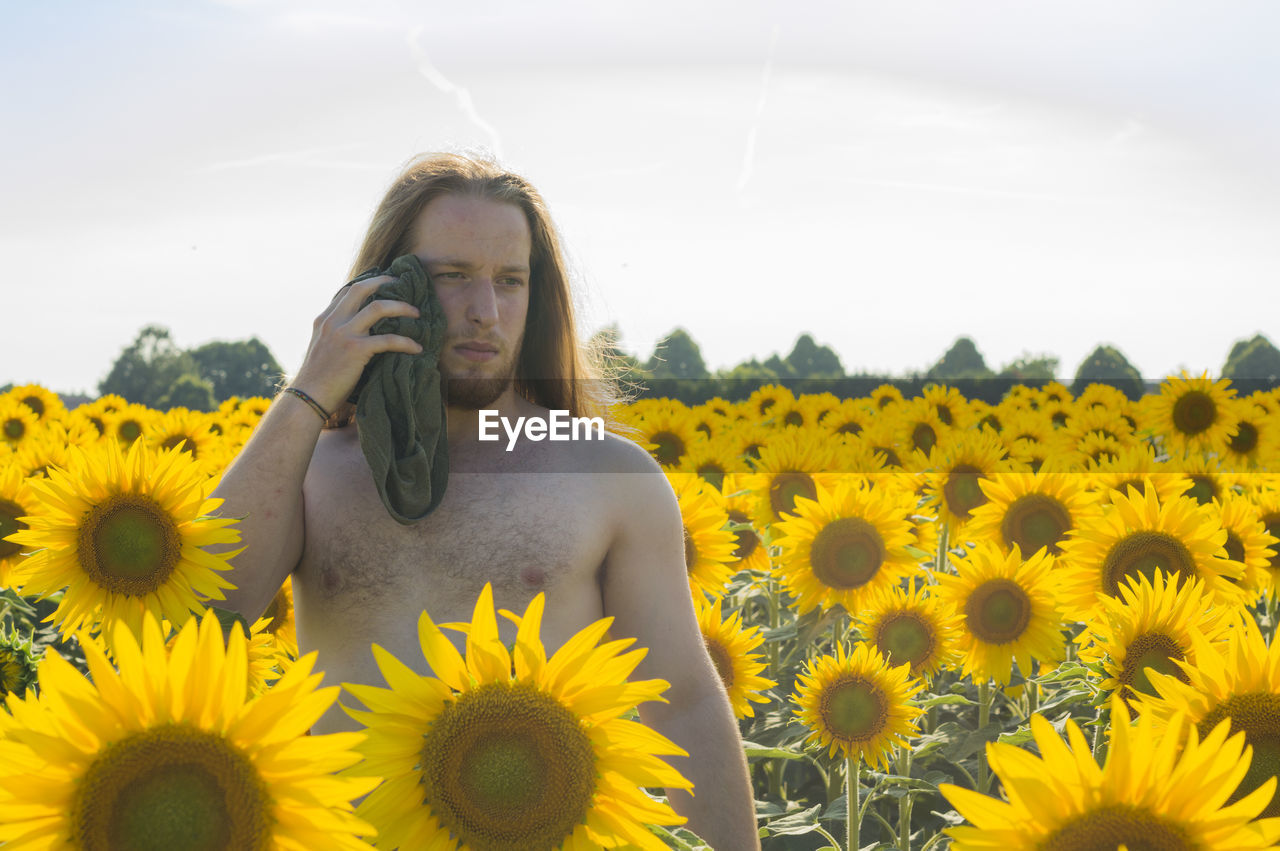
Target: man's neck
x,y
464,423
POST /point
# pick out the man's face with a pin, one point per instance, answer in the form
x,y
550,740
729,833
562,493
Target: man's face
x,y
477,254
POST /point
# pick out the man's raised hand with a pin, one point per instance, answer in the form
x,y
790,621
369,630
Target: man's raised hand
x,y
341,344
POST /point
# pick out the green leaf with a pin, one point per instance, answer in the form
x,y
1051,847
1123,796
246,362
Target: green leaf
x,y
227,619
946,700
804,821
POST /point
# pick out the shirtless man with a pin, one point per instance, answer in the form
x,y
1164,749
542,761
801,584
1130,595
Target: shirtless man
x,y
593,524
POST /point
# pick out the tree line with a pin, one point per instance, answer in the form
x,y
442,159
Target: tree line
x,y
154,371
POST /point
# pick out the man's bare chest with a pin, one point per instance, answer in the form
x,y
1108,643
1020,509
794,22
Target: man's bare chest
x,y
524,532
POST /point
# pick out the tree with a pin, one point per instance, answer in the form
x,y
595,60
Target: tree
x,y
809,360
1030,369
243,368
677,356
1253,360
189,391
1105,365
148,368
962,360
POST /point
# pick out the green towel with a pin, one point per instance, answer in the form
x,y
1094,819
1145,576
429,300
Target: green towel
x,y
400,401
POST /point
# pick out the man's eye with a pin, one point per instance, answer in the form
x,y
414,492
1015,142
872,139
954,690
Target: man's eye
x,y
513,282
449,275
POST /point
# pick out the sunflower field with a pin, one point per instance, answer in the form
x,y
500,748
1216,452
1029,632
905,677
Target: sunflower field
x,y
941,623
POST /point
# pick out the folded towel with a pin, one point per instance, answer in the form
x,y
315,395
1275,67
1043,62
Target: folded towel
x,y
399,399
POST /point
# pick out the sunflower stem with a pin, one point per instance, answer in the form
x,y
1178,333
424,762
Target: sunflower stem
x,y
905,802
853,814
985,695
940,563
1097,736
1033,691
1273,612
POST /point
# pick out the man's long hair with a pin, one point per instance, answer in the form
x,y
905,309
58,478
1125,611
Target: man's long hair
x,y
554,370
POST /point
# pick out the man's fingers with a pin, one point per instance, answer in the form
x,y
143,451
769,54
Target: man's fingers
x,y
393,343
346,301
380,309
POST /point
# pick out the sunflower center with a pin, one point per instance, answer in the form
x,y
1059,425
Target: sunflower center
x,y
847,553
891,458
1150,650
962,492
508,767
1194,412
690,551
1234,547
1138,484
9,523
720,658
713,474
786,487
854,709
1246,438
944,413
905,637
171,787
1058,418
670,447
187,444
14,429
1107,828
998,611
128,545
129,431
745,540
1035,520
1258,715
1272,523
1142,553
923,437
794,418
1203,488
850,428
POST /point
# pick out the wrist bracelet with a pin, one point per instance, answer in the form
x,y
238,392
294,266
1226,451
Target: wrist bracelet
x,y
315,406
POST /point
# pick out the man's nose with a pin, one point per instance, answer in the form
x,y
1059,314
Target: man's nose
x,y
482,302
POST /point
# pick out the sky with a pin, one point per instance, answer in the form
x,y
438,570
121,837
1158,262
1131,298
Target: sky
x,y
1041,177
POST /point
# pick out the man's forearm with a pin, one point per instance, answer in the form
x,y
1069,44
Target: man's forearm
x,y
722,809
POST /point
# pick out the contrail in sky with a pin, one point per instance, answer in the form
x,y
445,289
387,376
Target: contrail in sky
x,y
748,158
460,95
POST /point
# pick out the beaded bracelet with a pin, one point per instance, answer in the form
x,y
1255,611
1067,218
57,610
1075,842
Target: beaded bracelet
x,y
315,406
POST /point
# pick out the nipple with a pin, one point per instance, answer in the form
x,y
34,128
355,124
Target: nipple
x,y
533,577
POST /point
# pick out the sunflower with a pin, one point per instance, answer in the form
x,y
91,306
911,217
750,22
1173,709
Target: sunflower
x,y
18,665
123,535
712,460
880,436
1139,535
1194,413
1150,627
918,426
912,627
667,433
759,406
16,500
167,753
190,431
791,465
1137,467
1152,794
1256,437
280,622
708,546
17,422
1031,510
1006,608
729,645
42,402
510,750
850,417
844,546
1268,502
857,704
957,468
948,403
99,410
885,396
127,424
1240,680
749,550
1248,541
1209,481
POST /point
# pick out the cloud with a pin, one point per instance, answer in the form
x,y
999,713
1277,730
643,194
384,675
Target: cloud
x,y
460,95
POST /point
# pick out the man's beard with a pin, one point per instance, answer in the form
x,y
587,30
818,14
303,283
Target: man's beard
x,y
475,393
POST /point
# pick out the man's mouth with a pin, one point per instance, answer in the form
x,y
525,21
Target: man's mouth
x,y
477,351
